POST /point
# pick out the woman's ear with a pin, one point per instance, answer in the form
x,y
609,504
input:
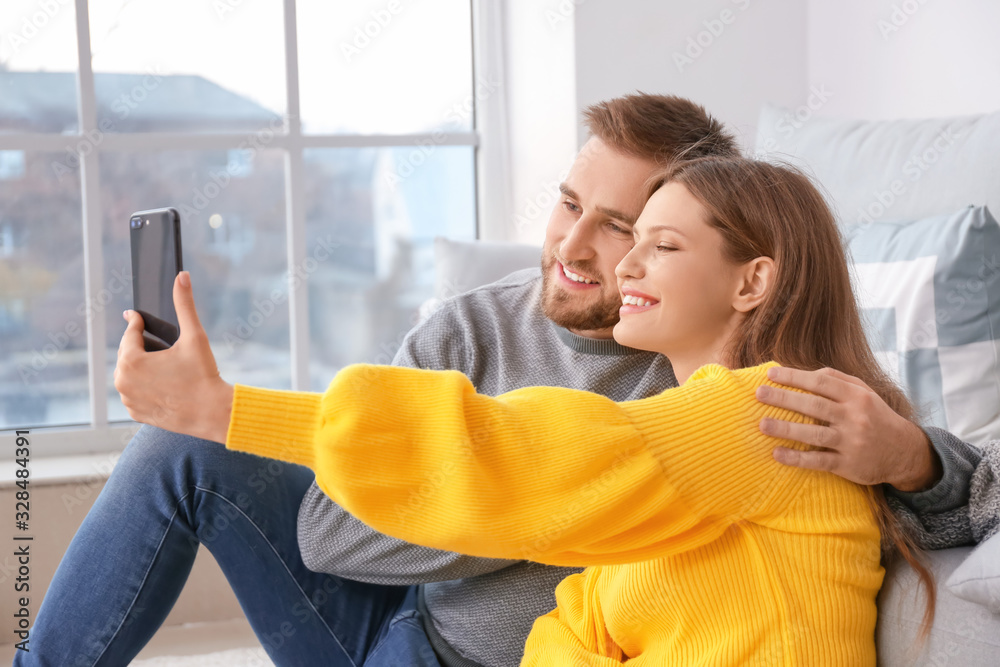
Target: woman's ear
x,y
755,283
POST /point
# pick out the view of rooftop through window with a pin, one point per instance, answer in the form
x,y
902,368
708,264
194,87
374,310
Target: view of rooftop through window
x,y
193,69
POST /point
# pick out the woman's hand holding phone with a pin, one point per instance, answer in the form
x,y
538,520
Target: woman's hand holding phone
x,y
178,389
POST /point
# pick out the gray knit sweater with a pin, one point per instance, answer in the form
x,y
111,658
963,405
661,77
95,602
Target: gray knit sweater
x,y
965,507
479,611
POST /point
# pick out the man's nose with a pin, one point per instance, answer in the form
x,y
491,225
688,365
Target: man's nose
x,y
578,243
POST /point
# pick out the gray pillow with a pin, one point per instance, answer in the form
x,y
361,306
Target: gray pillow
x,y
977,579
931,300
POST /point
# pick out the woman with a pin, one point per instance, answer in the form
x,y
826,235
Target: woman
x,y
702,549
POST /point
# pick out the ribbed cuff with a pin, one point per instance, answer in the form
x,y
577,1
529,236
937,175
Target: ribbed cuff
x,y
277,424
952,490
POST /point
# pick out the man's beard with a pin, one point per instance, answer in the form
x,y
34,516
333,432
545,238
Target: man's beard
x,y
560,307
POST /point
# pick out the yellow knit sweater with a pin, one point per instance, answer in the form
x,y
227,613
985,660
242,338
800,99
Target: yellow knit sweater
x,y
702,550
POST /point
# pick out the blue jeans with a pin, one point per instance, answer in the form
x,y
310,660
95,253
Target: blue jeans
x,y
169,493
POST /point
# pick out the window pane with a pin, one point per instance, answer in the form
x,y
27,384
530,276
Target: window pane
x,y
372,217
43,359
371,66
232,208
188,65
38,64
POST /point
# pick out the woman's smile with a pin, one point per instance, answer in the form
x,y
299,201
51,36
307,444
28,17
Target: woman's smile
x,y
634,301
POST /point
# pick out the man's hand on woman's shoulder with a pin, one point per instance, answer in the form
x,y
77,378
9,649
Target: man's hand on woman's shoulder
x,y
859,436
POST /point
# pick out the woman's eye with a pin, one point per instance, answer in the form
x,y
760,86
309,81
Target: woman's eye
x,y
665,248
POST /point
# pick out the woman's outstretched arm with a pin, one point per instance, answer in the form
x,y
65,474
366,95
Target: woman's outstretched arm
x,y
547,474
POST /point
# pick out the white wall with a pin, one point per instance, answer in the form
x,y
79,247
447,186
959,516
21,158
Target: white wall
x,y
726,54
563,55
906,58
944,59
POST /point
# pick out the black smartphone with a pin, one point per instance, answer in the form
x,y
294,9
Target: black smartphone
x,y
155,237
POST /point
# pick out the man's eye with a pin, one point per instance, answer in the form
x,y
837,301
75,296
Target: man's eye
x,y
616,229
571,206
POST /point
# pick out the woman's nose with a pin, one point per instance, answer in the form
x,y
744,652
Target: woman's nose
x,y
630,266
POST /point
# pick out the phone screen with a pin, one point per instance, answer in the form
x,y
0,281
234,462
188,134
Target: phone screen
x,y
156,260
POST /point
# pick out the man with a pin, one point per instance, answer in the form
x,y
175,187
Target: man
x,y
383,601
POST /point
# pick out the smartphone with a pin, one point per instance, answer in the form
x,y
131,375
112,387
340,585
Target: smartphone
x,y
155,237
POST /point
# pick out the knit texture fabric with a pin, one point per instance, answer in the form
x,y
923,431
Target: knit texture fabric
x,y
984,502
499,337
714,552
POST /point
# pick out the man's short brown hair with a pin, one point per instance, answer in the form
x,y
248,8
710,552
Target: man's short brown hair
x,y
660,128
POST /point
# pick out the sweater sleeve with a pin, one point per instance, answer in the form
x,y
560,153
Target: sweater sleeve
x,y
334,541
548,474
958,461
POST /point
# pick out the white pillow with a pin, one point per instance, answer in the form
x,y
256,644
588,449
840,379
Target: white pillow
x,y
460,266
977,579
464,265
890,170
930,294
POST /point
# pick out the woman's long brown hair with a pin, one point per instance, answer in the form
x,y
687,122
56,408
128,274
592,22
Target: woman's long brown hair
x,y
810,318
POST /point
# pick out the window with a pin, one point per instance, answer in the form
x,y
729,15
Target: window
x,y
314,149
11,165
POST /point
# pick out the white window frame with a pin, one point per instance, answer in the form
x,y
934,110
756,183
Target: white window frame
x,y
488,139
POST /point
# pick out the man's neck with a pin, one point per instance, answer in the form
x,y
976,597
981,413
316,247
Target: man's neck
x,y
596,334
